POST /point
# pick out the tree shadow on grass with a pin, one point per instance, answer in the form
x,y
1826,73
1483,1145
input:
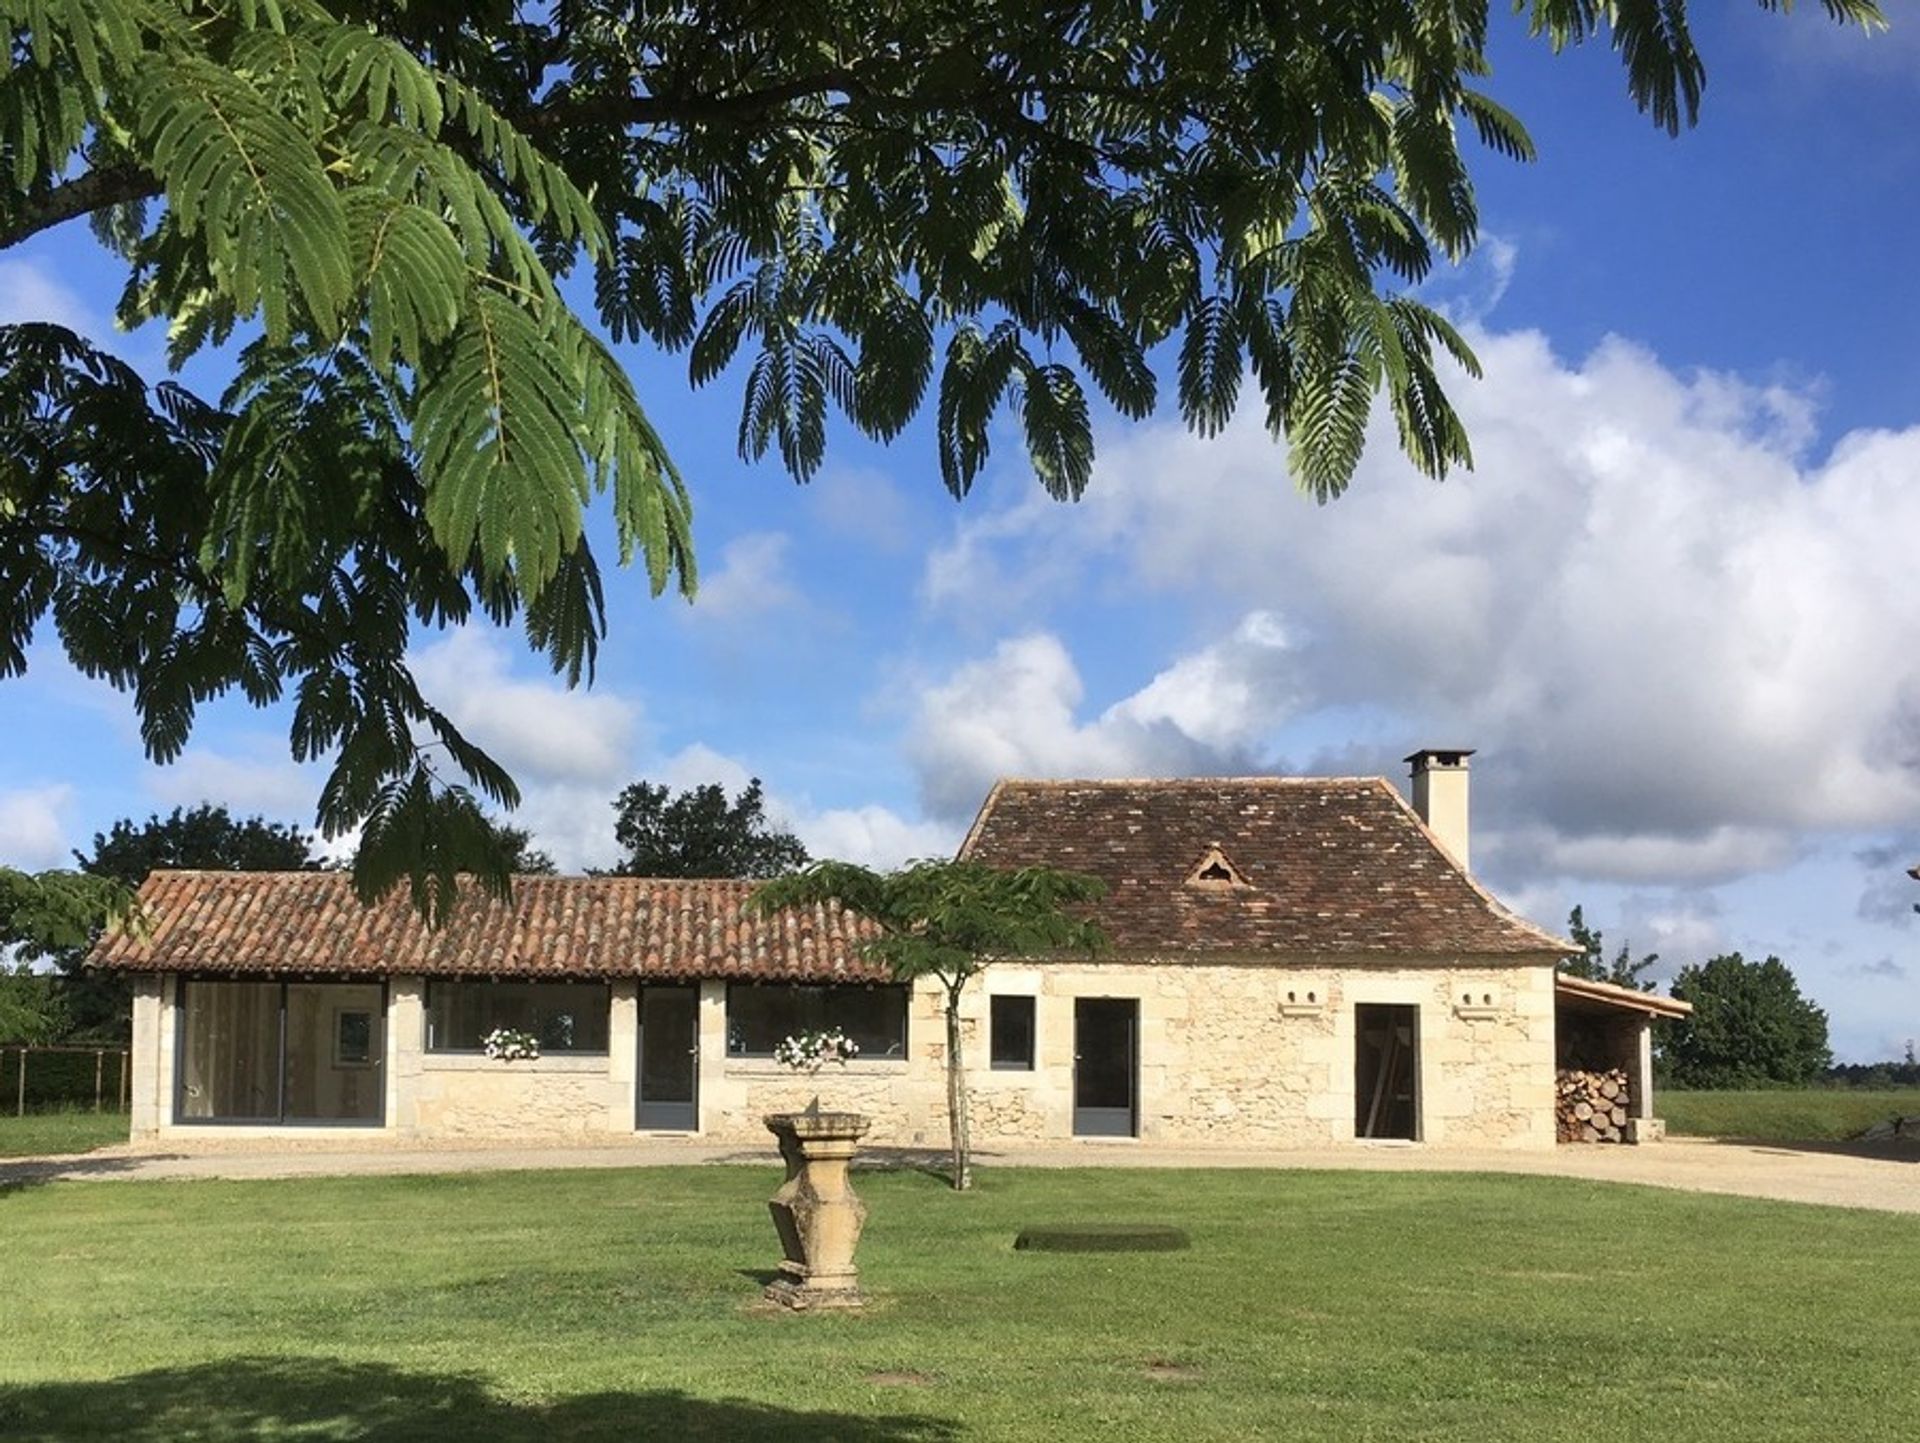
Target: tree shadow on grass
x,y
325,1398
19,1174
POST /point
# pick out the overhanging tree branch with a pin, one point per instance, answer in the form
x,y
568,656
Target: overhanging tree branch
x,y
84,194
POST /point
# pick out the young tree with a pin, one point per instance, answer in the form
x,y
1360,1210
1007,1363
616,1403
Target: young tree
x,y
950,921
985,202
1750,1027
700,833
1591,962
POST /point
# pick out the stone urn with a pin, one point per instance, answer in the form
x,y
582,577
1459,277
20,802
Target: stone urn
x,y
815,1211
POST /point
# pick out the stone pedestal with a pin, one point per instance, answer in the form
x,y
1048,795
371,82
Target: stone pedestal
x,y
815,1211
1646,1129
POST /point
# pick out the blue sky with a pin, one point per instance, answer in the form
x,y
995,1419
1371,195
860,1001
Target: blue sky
x,y
1672,606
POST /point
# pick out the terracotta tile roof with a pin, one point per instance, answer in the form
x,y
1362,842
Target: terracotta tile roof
x,y
287,922
1315,866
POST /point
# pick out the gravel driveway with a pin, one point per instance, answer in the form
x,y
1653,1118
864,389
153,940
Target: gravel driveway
x,y
1886,1179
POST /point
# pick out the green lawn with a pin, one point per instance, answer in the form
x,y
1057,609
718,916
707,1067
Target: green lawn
x,y
521,1308
40,1133
1809,1115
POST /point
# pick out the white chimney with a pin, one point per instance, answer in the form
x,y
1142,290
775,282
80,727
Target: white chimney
x,y
1440,796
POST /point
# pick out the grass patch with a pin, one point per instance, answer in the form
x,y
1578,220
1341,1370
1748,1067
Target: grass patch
x,y
1786,1115
41,1133
604,1306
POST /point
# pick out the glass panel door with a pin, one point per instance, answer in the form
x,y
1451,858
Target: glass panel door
x,y
1105,1068
670,1058
336,1040
229,1052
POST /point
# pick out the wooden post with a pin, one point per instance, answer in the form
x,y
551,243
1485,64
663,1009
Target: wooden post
x,y
99,1073
21,1109
126,1090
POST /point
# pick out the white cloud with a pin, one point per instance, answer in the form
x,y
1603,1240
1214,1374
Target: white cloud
x,y
874,836
539,730
33,833
260,782
1677,642
1014,713
753,578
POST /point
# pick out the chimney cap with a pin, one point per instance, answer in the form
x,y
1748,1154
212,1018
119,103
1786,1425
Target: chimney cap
x,y
1438,756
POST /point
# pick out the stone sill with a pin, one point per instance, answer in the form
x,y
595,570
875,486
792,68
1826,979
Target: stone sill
x,y
589,1063
1303,1009
1478,1013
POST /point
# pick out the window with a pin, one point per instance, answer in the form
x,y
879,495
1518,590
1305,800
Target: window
x,y
1213,872
1010,1040
564,1016
280,1052
352,1038
759,1016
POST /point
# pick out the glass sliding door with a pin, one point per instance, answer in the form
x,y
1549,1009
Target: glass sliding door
x,y
336,1036
230,1051
299,1052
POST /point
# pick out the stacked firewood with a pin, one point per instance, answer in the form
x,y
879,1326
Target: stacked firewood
x,y
1592,1106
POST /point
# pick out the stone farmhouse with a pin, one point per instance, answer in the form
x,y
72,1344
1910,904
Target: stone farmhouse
x,y
1296,962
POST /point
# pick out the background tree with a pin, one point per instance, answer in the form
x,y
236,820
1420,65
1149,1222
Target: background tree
x,y
523,858
950,921
700,833
1591,961
205,838
51,915
1750,1027
870,203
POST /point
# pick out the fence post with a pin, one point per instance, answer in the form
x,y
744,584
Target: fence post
x,y
21,1110
99,1072
126,1091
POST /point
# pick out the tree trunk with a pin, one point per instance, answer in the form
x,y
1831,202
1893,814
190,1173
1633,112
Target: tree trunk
x,y
957,1096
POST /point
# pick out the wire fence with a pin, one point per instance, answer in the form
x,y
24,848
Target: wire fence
x,y
61,1077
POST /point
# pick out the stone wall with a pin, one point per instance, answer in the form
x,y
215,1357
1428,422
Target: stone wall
x,y
1247,1055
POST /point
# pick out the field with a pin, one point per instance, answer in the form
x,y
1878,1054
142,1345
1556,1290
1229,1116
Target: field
x,y
516,1307
1797,1115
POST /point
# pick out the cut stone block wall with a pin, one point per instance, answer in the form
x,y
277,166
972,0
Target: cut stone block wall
x,y
1254,1054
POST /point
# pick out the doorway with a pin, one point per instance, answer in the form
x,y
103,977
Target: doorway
x,y
1106,1068
1386,1074
669,1069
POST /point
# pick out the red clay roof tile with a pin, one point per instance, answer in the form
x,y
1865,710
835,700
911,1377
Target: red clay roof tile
x,y
288,922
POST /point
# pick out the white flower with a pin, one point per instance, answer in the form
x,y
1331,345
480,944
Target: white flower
x,y
810,1051
508,1044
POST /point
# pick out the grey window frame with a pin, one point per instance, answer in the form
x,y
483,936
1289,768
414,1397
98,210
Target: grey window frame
x,y
994,1061
904,990
181,987
426,1013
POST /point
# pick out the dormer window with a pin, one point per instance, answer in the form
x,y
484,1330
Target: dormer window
x,y
1214,872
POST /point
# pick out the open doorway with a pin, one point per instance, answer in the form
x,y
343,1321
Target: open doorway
x,y
1386,1074
1106,1031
